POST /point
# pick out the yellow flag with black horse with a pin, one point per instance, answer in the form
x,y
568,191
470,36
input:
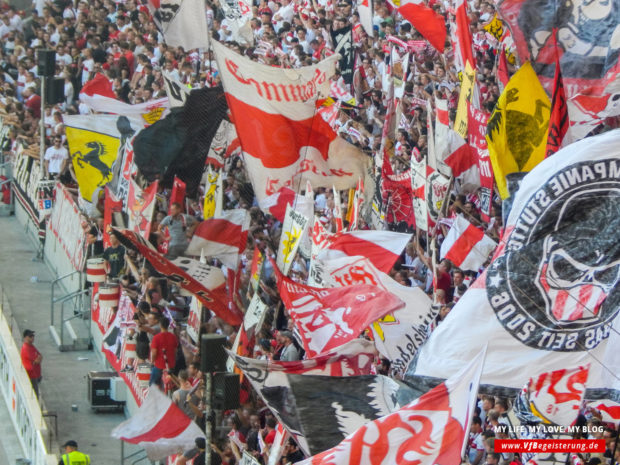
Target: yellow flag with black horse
x,y
517,129
94,145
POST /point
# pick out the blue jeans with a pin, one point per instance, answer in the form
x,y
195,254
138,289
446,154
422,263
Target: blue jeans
x,y
156,376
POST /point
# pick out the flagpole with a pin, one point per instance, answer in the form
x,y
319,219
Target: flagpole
x,y
42,135
208,413
613,454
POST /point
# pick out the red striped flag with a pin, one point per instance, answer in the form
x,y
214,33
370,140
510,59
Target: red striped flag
x,y
159,426
224,237
178,194
382,248
427,22
276,203
609,410
329,318
466,246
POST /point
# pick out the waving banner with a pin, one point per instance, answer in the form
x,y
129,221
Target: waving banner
x,y
322,410
238,14
327,318
556,397
517,130
430,430
551,297
140,207
399,334
284,140
183,23
292,230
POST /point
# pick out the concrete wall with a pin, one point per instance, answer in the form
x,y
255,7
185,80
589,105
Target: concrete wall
x,y
23,407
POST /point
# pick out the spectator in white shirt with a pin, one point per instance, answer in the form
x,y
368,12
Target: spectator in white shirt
x,y
56,158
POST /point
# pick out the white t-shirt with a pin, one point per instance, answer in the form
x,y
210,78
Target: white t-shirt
x,y
55,156
87,68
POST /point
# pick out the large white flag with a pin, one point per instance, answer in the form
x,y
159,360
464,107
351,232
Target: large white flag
x,y
160,427
284,139
237,16
551,297
182,22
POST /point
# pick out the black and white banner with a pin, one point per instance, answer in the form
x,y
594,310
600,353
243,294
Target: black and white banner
x,y
343,44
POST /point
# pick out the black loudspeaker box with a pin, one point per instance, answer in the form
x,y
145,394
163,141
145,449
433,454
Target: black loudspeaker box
x,y
225,391
212,354
54,90
46,62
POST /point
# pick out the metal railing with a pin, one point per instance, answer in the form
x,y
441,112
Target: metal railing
x,y
56,282
74,301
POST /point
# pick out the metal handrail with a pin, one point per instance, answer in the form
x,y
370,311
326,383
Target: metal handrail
x,y
63,299
54,282
62,312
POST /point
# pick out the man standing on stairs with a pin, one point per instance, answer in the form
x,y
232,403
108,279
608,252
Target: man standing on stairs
x,y
31,359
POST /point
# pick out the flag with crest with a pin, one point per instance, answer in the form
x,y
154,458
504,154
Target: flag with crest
x,y
94,144
517,130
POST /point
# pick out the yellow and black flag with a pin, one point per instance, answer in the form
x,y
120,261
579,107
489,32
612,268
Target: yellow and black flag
x,y
94,143
517,129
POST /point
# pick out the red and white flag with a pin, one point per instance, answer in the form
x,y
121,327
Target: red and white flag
x,y
462,37
328,318
555,397
365,10
381,248
276,203
284,140
97,94
338,211
462,160
178,194
477,129
430,430
397,335
466,246
418,185
609,410
99,86
160,427
426,21
224,237
140,207
442,128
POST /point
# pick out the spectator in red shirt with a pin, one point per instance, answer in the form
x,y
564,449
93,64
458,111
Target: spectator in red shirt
x,y
31,359
32,101
270,427
163,352
444,280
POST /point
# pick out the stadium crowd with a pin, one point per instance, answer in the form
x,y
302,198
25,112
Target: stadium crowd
x,y
119,40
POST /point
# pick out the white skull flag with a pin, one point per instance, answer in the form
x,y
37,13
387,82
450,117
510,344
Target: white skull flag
x,y
551,298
